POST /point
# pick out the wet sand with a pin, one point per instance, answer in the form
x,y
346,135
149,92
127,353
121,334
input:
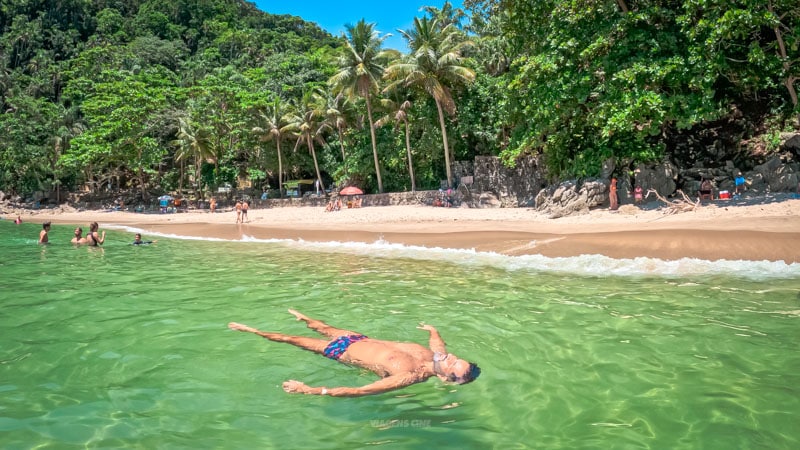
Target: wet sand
x,y
752,230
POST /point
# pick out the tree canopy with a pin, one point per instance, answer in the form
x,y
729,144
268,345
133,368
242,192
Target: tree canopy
x,y
150,96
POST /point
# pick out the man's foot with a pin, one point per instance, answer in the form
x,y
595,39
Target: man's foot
x,y
298,315
240,327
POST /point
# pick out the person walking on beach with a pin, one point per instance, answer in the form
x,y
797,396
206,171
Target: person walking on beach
x,y
399,364
43,238
94,238
213,204
238,211
245,207
78,239
612,195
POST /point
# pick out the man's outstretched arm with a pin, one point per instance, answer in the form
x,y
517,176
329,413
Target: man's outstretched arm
x,y
379,387
436,343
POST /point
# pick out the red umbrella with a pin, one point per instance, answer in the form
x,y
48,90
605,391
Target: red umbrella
x,y
351,190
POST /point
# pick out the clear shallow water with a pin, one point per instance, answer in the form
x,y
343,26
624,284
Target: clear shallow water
x,y
128,347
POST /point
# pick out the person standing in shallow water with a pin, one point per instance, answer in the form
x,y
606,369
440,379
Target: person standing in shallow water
x,y
43,238
78,239
612,195
399,364
94,238
238,211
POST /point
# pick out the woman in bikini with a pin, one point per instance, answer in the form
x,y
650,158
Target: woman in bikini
x,y
94,238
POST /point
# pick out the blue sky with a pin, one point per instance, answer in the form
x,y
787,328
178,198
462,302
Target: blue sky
x,y
332,16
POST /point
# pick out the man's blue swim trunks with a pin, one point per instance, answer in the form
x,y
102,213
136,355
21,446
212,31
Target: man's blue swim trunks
x,y
338,346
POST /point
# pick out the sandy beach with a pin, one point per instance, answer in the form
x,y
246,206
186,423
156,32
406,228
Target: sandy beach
x,y
756,229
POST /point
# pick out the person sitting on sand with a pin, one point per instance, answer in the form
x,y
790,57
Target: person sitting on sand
x,y
137,240
399,364
94,238
78,239
706,190
43,238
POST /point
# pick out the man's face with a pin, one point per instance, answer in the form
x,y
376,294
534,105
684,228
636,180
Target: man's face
x,y
452,369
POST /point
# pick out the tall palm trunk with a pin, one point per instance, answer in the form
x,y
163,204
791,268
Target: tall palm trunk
x,y
446,147
280,169
410,164
181,175
374,146
141,177
341,145
314,155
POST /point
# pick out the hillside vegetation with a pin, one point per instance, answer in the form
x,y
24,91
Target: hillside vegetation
x,y
149,96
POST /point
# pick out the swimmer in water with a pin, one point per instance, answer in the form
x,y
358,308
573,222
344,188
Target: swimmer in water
x,y
399,364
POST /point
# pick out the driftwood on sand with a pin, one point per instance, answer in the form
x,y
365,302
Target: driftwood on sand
x,y
678,205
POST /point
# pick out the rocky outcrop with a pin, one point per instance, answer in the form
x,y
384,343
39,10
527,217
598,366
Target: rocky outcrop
x,y
525,185
512,186
572,197
660,177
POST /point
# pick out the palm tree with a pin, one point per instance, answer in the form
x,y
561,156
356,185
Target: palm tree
x,y
274,128
336,118
433,65
307,123
360,71
195,143
398,112
447,15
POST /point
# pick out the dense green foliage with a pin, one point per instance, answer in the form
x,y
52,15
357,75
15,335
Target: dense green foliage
x,y
152,96
593,79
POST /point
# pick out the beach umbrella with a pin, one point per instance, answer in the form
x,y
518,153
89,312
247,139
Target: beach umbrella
x,y
351,190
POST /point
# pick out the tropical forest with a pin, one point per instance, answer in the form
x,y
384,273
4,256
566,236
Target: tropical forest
x,y
187,96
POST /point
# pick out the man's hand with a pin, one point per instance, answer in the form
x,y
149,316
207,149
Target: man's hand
x,y
295,387
425,327
435,342
240,327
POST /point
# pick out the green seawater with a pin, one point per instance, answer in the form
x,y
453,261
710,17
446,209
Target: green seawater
x,y
128,347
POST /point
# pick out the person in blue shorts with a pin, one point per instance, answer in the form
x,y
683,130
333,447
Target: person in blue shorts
x,y
399,364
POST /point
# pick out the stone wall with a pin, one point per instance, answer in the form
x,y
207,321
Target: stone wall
x,y
513,186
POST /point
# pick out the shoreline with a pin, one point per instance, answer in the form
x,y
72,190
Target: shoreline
x,y
753,230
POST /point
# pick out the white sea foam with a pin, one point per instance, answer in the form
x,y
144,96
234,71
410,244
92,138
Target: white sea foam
x,y
586,265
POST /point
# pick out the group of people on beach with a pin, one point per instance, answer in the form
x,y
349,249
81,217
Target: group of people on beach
x,y
241,210
338,205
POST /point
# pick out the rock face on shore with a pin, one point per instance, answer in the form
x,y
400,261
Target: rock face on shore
x,y
779,172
